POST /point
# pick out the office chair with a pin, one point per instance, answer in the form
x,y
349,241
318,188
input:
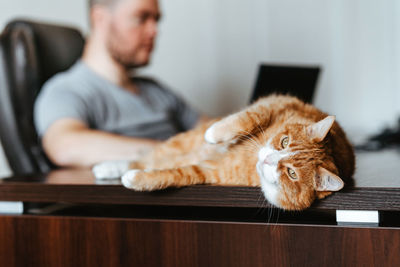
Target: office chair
x,y
30,53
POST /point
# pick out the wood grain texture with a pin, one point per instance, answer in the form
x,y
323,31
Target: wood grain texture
x,y
68,241
376,187
385,199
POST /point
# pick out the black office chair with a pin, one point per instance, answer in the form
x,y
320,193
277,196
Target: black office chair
x,y
30,53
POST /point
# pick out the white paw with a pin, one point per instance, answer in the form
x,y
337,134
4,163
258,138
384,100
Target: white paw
x,y
110,169
128,179
209,136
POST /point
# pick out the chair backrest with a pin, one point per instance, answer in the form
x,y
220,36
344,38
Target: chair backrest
x,y
299,81
30,53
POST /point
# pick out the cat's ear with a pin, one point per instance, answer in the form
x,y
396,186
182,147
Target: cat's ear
x,y
327,181
320,129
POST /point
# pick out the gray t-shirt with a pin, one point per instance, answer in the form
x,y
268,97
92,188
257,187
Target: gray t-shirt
x,y
80,93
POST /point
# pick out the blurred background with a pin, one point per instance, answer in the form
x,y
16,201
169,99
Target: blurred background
x,y
209,51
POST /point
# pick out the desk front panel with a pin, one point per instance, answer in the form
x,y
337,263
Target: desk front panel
x,y
82,241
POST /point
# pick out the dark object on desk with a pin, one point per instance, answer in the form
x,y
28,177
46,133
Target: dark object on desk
x,y
30,53
297,81
387,138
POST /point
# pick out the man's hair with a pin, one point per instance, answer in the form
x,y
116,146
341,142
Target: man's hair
x,y
102,2
92,3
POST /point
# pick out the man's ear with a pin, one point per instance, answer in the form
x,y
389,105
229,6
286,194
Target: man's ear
x,y
98,16
320,129
327,181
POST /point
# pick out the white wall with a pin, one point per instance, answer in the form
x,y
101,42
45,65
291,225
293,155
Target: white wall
x,y
211,55
71,12
358,44
209,50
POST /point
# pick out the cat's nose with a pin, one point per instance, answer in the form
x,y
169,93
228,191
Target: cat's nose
x,y
268,160
271,159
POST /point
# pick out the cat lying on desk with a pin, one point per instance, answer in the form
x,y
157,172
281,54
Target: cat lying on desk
x,y
294,151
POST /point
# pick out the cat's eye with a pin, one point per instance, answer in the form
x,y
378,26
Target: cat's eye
x,y
285,142
292,173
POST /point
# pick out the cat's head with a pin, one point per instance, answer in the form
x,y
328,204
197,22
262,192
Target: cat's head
x,y
296,165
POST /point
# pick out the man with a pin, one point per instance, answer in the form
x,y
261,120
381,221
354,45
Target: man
x,y
96,111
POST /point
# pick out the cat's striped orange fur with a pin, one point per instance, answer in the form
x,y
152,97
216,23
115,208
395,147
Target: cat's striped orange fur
x,y
318,154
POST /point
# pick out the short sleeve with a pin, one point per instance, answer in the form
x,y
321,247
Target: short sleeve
x,y
56,102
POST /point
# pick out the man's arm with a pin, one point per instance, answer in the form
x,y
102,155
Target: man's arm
x,y
69,142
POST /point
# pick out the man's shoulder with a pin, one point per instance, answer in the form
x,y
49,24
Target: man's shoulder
x,y
59,79
73,79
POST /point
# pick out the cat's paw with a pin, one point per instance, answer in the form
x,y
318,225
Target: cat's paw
x,y
133,179
209,136
128,179
110,169
220,132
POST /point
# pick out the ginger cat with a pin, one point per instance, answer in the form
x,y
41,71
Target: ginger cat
x,y
295,152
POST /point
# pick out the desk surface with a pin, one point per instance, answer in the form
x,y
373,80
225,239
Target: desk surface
x,y
377,187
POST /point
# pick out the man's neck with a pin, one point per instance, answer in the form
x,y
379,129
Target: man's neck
x,y
98,59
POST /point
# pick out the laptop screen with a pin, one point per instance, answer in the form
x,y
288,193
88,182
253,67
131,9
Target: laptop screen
x,y
298,81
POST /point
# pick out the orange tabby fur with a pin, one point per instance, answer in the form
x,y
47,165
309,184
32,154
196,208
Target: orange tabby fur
x,y
188,159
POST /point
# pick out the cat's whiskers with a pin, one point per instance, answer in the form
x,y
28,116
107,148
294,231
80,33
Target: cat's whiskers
x,y
262,204
261,201
251,142
251,147
251,137
254,142
270,213
245,132
277,219
262,132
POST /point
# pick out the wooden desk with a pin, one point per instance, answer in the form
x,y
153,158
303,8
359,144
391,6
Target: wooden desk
x,y
108,225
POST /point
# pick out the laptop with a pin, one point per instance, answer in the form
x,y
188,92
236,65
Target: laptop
x,y
299,81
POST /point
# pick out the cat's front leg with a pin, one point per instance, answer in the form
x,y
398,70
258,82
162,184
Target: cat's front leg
x,y
243,123
149,180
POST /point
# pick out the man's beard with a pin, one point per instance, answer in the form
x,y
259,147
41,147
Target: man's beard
x,y
123,58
